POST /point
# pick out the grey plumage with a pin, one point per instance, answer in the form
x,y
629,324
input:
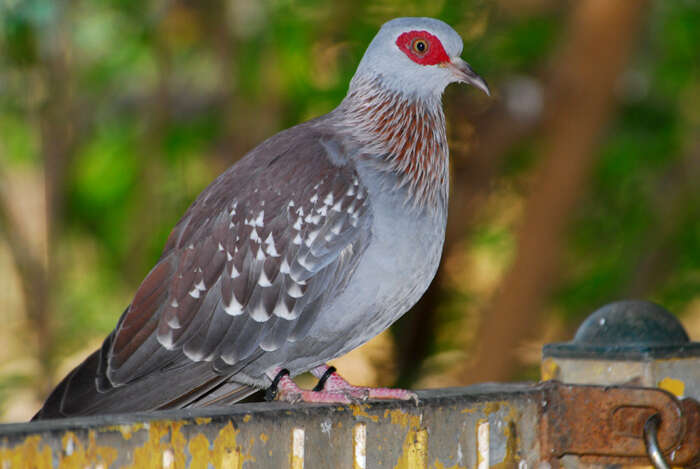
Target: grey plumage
x,y
311,244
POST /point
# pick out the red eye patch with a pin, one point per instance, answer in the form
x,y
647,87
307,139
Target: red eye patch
x,y
422,47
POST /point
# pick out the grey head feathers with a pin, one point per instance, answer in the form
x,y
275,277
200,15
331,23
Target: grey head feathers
x,y
384,59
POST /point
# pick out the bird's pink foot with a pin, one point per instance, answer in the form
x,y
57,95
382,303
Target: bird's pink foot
x,y
284,389
331,381
331,389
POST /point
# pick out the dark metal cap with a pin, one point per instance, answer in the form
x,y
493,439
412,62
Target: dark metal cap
x,y
627,330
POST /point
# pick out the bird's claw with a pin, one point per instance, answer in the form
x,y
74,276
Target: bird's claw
x,y
331,389
331,381
357,395
313,397
272,392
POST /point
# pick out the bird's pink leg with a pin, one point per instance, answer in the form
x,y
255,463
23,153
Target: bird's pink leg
x,y
335,383
286,390
332,389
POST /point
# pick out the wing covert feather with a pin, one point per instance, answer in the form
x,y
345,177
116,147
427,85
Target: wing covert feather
x,y
250,265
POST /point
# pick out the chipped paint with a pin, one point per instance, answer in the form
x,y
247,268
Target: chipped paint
x,y
297,453
483,444
487,408
360,410
199,451
168,458
511,459
81,456
326,427
31,449
400,417
674,386
414,454
151,454
35,454
493,407
359,443
225,452
378,435
439,465
126,430
549,369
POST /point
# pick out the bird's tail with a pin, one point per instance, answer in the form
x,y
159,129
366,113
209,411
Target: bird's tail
x,y
87,391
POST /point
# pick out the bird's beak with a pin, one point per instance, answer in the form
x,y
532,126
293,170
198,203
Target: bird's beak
x,y
465,74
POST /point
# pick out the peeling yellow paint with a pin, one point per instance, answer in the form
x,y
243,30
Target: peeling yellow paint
x,y
200,452
360,410
514,414
492,407
549,369
247,418
223,453
79,456
439,465
264,437
126,430
202,420
29,450
399,417
33,454
156,449
414,453
487,408
674,386
511,459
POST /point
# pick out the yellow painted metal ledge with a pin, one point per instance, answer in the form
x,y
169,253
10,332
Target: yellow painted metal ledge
x,y
480,426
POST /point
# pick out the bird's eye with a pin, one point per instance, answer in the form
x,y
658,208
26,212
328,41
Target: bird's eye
x,y
420,46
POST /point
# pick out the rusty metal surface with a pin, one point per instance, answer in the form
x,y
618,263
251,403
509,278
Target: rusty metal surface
x,y
604,424
476,427
688,451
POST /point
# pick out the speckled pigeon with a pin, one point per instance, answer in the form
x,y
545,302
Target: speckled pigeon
x,y
310,245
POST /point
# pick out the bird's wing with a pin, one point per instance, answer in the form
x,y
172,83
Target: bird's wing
x,y
250,265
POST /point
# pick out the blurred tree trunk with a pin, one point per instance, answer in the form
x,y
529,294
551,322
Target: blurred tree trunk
x,y
601,36
38,266
58,133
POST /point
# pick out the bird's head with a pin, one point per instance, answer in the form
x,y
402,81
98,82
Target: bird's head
x,y
417,56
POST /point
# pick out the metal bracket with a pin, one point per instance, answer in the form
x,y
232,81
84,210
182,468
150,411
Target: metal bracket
x,y
605,424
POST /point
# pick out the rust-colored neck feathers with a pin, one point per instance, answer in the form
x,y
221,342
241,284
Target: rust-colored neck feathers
x,y
407,136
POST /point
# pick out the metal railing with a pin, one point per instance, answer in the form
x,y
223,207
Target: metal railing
x,y
478,426
525,425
